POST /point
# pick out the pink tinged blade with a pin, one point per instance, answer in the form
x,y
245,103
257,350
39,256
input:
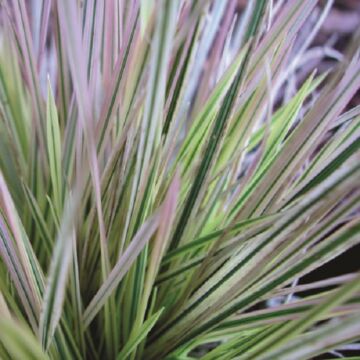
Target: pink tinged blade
x,y
71,27
121,268
44,22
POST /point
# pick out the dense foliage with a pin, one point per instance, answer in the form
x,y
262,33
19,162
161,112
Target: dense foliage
x,y
163,189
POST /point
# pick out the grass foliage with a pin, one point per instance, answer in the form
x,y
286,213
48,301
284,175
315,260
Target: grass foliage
x,y
159,188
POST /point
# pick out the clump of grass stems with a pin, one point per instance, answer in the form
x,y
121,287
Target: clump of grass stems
x,y
157,189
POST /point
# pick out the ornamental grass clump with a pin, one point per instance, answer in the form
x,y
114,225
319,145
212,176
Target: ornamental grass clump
x,y
161,185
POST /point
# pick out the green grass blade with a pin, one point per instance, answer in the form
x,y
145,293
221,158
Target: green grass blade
x,y
54,149
19,342
57,278
137,337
